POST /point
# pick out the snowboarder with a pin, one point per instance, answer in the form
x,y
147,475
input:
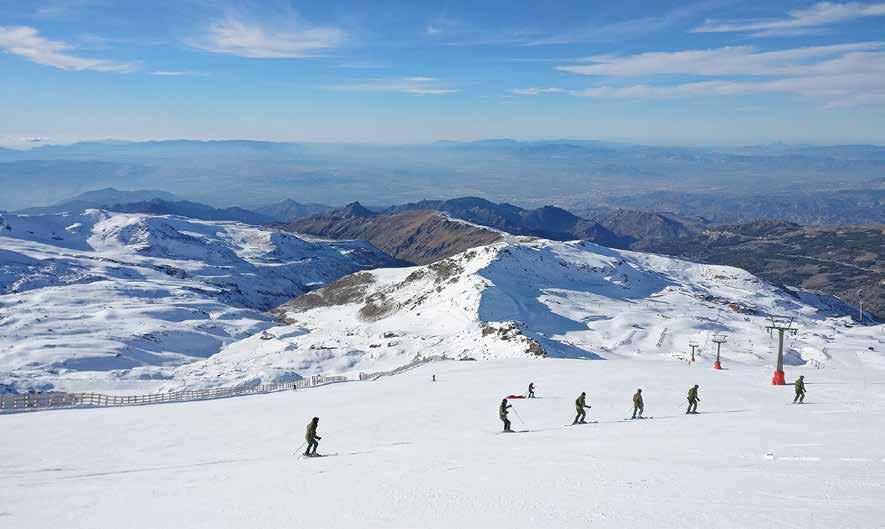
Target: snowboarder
x,y
693,400
800,390
502,412
312,437
580,405
531,390
637,404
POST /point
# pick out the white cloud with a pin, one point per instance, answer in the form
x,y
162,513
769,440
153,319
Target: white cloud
x,y
26,42
285,36
737,60
536,91
834,91
798,21
177,73
845,74
403,85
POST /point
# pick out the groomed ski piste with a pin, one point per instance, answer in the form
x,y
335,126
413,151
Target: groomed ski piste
x,y
408,452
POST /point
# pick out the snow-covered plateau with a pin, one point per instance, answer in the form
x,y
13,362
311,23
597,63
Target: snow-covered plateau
x,y
108,301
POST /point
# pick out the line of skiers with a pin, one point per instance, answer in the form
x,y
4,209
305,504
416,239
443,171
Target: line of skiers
x,y
638,405
580,406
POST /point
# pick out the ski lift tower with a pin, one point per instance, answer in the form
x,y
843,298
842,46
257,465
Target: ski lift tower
x,y
781,324
694,345
718,339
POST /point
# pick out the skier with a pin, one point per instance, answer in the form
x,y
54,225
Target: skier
x,y
637,404
531,390
693,400
800,390
502,412
580,404
434,377
312,437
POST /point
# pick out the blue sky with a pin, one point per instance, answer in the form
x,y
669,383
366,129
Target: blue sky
x,y
661,72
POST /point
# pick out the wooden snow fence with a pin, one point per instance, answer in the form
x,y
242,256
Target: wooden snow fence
x,y
49,400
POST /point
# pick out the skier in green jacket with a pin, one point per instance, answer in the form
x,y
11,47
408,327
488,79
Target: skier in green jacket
x,y
637,404
800,390
693,400
312,438
580,405
502,412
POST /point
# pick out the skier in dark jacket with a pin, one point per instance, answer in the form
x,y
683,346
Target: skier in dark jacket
x,y
502,412
693,400
531,390
637,404
580,405
800,390
312,438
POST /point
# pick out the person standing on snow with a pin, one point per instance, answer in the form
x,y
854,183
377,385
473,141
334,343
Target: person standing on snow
x,y
580,405
312,438
531,390
637,404
800,390
502,412
693,400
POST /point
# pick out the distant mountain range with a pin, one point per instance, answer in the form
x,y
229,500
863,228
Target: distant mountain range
x,y
194,210
837,260
289,210
549,222
165,203
723,184
98,199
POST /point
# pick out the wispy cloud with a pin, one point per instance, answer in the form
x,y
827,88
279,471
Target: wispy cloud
x,y
736,60
63,8
27,42
455,32
537,91
628,28
177,73
442,26
403,85
797,21
282,35
846,74
834,91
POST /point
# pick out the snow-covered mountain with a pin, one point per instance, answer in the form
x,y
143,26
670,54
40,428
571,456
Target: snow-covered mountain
x,y
527,297
97,295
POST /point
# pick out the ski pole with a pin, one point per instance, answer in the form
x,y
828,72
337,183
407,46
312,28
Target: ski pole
x,y
299,448
520,417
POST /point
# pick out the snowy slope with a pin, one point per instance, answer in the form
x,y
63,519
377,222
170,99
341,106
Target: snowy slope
x,y
412,453
99,295
532,298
